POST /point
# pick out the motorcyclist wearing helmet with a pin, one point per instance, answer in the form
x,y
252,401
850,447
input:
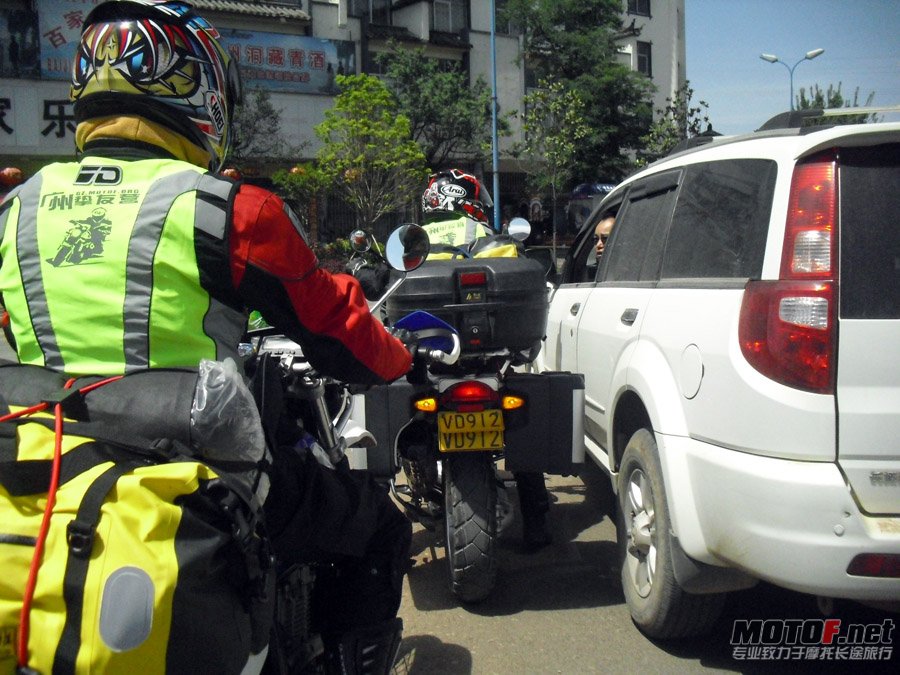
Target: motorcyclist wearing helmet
x,y
186,253
456,206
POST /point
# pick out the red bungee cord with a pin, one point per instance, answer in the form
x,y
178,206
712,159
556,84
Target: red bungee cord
x,y
31,584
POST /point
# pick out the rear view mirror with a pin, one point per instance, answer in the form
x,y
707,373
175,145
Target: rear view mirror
x,y
360,241
407,247
519,229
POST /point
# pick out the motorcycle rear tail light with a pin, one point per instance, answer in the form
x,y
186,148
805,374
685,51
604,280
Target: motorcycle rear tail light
x,y
470,396
473,279
875,565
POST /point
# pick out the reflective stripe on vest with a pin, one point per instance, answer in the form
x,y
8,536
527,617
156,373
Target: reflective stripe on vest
x,y
115,288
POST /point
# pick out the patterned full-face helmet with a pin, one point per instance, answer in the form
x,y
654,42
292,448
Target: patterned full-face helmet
x,y
455,190
159,60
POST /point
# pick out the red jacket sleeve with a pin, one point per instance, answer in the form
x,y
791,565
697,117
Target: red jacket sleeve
x,y
275,271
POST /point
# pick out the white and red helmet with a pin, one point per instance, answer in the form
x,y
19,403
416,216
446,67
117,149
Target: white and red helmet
x,y
456,191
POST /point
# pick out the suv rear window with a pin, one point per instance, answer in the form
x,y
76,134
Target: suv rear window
x,y
870,232
721,220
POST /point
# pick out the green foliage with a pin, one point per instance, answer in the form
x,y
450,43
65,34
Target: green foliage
x,y
833,98
301,185
554,126
368,153
448,117
678,121
257,131
574,42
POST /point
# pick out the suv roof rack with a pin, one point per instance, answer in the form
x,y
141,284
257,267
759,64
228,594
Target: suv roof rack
x,y
797,119
694,141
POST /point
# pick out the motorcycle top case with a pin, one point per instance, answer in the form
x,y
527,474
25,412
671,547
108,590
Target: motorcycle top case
x,y
494,303
153,561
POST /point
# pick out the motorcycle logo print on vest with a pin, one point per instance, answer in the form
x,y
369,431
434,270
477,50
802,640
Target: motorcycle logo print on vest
x,y
99,175
84,240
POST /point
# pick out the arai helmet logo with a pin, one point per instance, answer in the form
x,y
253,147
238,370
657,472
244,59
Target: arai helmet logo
x,y
452,190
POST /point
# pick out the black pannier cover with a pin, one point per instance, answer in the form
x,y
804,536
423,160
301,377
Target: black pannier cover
x,y
547,434
494,303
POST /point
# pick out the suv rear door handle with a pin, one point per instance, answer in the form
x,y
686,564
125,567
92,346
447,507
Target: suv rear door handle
x,y
628,316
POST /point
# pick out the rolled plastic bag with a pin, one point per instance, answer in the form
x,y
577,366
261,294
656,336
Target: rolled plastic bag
x,y
225,423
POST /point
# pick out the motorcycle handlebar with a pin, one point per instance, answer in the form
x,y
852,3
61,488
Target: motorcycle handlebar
x,y
439,355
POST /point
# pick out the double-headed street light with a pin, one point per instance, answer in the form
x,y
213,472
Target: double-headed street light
x,y
771,58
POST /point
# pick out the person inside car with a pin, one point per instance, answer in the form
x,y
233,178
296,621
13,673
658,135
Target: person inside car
x,y
601,233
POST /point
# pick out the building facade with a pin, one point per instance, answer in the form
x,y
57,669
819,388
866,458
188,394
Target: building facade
x,y
295,49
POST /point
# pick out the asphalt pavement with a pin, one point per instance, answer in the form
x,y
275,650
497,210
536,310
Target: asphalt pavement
x,y
561,609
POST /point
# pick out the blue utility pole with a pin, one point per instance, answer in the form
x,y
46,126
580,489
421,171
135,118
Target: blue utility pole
x,y
495,161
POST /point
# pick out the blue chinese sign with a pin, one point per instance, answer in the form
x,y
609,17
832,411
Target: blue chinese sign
x,y
292,63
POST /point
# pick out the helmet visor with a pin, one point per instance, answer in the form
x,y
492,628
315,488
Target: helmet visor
x,y
485,196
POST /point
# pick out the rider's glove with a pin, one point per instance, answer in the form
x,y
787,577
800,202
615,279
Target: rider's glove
x,y
418,374
372,277
409,340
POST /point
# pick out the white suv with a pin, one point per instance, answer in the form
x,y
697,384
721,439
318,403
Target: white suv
x,y
740,342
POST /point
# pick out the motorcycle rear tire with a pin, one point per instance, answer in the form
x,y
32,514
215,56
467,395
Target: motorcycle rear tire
x,y
470,509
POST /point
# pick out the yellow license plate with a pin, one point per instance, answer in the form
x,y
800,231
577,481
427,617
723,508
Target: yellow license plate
x,y
460,432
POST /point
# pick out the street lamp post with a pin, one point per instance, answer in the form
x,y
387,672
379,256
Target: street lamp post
x,y
771,58
495,150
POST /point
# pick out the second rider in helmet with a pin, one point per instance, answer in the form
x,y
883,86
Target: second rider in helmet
x,y
457,209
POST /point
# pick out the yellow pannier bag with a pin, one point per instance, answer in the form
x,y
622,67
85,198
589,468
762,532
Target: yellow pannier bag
x,y
152,562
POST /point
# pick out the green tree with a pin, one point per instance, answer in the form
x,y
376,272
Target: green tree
x,y
302,185
368,153
448,117
554,126
257,131
678,121
833,98
574,42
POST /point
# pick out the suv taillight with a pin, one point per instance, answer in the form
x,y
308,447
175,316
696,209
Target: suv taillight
x,y
788,327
